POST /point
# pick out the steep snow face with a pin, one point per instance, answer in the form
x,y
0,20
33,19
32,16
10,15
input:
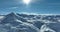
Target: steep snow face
x,y
55,26
29,23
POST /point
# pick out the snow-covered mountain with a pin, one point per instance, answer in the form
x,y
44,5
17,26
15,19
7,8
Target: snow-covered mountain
x,y
15,22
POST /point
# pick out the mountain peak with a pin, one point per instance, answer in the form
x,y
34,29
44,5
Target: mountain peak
x,y
11,14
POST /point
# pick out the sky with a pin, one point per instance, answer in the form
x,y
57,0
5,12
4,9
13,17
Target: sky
x,y
35,6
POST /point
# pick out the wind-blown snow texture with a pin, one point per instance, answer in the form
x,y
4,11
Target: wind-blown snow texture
x,y
29,23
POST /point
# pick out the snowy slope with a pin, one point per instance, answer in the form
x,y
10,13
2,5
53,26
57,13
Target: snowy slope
x,y
29,23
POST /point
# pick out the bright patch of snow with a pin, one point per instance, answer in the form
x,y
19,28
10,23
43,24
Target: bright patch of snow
x,y
45,28
1,17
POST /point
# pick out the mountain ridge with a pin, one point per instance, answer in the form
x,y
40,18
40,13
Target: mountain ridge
x,y
15,22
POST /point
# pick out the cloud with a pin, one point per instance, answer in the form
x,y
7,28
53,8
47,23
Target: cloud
x,y
30,13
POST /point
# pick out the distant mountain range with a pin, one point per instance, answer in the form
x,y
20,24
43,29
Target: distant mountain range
x,y
15,22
